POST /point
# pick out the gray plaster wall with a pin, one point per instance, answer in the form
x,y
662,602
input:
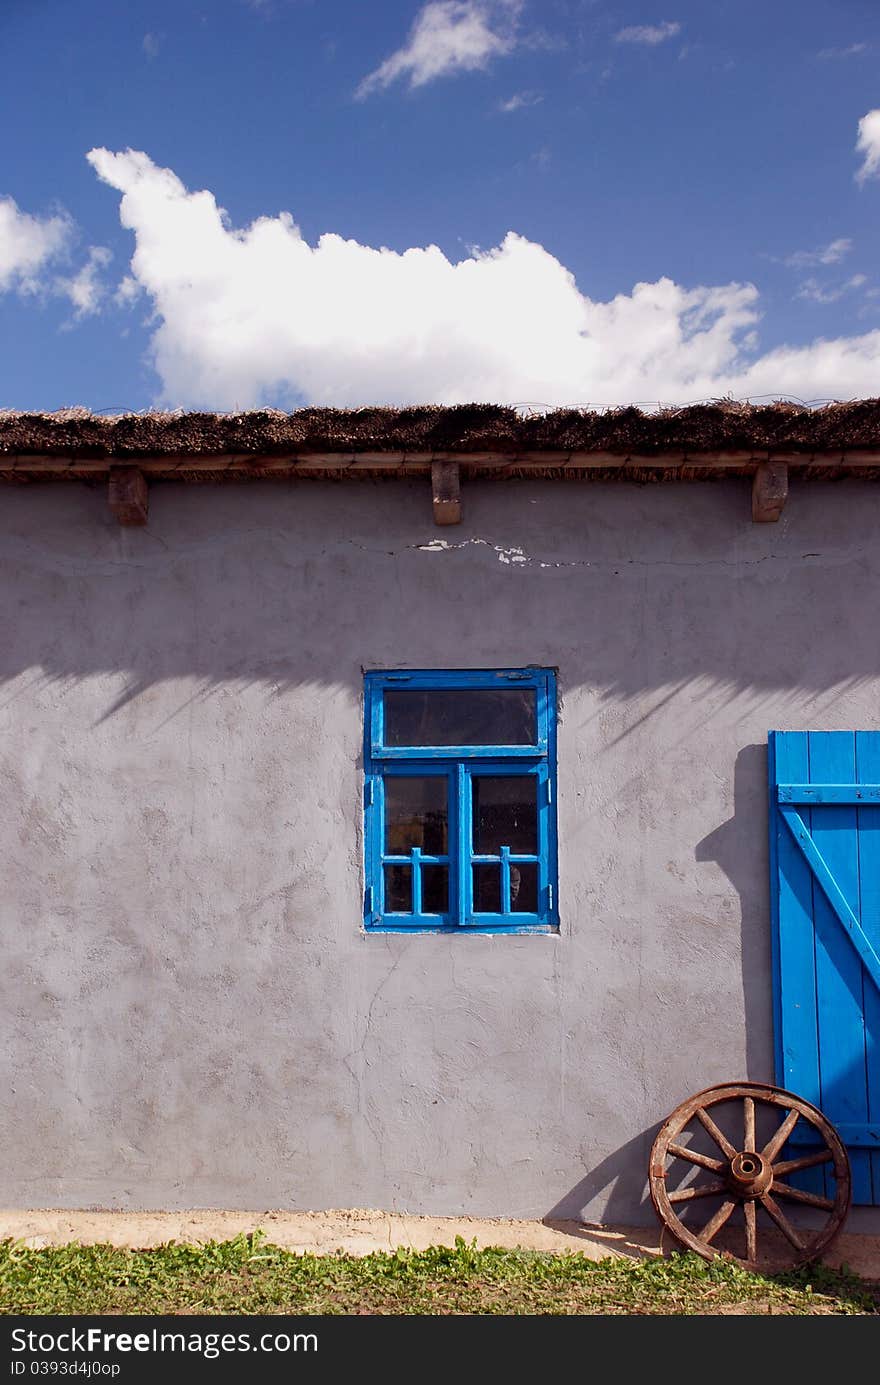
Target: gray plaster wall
x,y
191,1014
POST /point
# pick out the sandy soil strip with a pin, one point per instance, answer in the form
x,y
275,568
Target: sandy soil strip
x,y
359,1232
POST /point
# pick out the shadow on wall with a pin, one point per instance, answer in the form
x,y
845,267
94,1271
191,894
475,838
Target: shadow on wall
x,y
740,847
629,588
618,1185
617,1188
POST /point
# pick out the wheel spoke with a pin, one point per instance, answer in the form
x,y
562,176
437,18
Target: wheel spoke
x,y
705,1162
718,1136
781,1221
750,1212
772,1148
748,1125
707,1190
811,1199
714,1224
808,1161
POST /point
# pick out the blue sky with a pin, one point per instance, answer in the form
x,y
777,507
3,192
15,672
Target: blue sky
x,y
631,201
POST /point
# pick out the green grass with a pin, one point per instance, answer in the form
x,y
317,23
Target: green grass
x,y
248,1275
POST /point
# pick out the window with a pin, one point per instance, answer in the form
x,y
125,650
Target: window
x,y
460,818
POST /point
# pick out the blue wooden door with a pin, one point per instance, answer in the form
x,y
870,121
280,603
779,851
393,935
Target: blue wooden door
x,y
825,878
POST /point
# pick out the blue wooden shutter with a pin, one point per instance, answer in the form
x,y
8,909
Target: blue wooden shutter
x,y
825,877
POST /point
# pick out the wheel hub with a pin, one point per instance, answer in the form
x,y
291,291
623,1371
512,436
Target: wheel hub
x,y
750,1174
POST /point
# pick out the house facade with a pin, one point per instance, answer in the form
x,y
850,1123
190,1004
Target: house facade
x,y
386,794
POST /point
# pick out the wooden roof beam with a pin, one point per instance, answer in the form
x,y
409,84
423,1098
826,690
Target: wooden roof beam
x,y
736,462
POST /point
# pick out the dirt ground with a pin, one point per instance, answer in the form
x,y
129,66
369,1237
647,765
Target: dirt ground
x,y
358,1232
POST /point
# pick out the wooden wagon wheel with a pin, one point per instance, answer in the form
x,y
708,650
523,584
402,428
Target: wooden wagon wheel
x,y
745,1176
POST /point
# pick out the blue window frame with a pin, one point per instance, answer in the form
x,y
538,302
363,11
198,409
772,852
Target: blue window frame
x,y
460,800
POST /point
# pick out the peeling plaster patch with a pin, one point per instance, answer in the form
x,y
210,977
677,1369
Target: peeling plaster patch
x,y
505,555
841,558
511,555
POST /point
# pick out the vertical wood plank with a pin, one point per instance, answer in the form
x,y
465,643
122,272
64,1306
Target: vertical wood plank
x,y
377,717
375,843
868,771
838,969
796,1008
550,841
378,846
543,790
773,827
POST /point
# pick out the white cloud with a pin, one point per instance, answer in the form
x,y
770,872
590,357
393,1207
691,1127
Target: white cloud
x,y
849,52
86,289
151,43
868,144
448,36
832,253
27,245
651,34
127,292
519,101
259,316
814,292
31,248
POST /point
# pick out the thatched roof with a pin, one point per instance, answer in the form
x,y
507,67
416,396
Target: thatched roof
x,y
469,428
700,442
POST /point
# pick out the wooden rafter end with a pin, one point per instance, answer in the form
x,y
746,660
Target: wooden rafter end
x,y
127,494
769,492
445,485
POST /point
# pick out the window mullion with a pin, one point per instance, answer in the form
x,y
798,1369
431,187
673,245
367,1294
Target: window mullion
x,y
462,842
415,857
505,880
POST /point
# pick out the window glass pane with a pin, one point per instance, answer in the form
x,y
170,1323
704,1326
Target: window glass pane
x,y
487,889
416,814
435,889
523,888
460,716
505,812
398,890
